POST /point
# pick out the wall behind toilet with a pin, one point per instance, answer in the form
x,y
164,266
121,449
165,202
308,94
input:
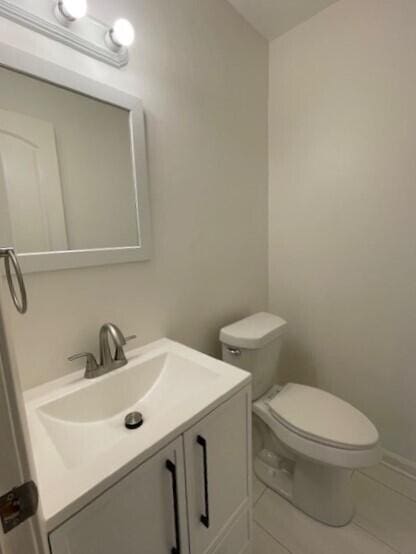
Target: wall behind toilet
x,y
342,118
202,74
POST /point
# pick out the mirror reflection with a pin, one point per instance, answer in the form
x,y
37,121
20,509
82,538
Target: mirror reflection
x,y
66,170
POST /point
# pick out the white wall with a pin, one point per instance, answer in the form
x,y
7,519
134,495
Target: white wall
x,y
342,207
202,74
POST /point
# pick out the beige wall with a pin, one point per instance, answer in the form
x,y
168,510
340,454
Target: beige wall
x,y
202,74
343,207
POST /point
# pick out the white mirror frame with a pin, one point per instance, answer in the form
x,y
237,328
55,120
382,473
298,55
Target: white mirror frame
x,y
23,62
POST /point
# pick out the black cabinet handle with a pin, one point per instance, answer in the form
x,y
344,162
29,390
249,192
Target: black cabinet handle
x,y
171,467
205,517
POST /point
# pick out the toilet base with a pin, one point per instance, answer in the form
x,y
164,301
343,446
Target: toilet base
x,y
321,491
269,468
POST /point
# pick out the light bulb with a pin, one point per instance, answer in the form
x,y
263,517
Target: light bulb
x,y
122,33
72,9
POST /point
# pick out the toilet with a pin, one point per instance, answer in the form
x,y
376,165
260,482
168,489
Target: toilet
x,y
312,441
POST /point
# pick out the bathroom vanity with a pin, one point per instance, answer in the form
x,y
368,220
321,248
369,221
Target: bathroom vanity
x,y
178,484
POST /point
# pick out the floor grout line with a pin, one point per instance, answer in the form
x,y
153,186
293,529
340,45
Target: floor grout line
x,y
353,522
393,548
260,496
368,531
272,537
383,484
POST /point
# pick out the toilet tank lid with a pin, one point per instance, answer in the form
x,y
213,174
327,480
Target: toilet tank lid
x,y
253,332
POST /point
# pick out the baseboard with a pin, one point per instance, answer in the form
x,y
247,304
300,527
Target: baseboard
x,y
399,464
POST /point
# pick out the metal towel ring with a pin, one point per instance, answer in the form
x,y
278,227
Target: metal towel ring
x,y
9,255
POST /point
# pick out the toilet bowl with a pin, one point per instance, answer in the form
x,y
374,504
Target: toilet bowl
x,y
313,440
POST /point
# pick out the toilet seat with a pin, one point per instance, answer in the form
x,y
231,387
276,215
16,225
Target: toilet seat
x,y
322,417
309,434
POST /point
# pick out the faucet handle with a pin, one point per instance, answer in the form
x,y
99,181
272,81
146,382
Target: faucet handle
x,y
92,364
131,337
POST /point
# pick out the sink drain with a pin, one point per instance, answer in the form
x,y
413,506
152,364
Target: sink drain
x,y
134,420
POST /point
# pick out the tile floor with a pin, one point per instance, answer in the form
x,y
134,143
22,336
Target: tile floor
x,y
385,522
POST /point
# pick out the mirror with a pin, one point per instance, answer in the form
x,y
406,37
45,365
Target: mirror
x,y
73,187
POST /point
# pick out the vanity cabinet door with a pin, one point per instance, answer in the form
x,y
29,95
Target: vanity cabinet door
x,y
217,462
145,513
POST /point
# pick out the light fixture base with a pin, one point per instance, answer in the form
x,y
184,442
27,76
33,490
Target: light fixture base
x,y
111,44
70,10
61,16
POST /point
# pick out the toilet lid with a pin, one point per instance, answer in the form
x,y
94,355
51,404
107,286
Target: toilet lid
x,y
322,417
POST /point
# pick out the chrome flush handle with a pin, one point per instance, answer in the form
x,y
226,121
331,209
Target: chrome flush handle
x,y
234,351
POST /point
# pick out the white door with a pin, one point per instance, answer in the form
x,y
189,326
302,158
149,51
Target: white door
x,y
145,513
30,185
16,466
217,462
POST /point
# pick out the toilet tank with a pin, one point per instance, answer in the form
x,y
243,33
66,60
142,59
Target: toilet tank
x,y
254,344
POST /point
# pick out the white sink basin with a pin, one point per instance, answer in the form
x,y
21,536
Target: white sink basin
x,y
159,382
80,443
90,420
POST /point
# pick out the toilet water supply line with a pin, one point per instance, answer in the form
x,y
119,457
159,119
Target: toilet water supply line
x,y
10,259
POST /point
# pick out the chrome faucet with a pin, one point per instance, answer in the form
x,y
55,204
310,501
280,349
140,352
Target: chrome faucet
x,y
108,361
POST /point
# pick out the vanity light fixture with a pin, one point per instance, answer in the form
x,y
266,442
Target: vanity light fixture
x,y
68,22
121,35
67,11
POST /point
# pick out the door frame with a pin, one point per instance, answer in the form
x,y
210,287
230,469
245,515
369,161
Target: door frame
x,y
30,537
